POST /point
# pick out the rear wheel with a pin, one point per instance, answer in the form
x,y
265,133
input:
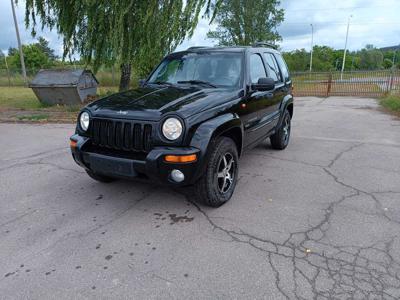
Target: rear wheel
x,y
280,139
217,184
100,178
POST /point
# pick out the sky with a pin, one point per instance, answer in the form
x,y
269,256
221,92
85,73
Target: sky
x,y
372,22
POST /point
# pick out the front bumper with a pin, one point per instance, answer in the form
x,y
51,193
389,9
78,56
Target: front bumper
x,y
150,166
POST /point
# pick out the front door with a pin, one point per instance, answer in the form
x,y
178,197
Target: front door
x,y
256,126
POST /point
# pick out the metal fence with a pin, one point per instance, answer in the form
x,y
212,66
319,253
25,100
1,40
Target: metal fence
x,y
357,83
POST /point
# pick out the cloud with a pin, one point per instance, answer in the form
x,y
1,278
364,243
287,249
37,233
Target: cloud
x,y
7,30
374,22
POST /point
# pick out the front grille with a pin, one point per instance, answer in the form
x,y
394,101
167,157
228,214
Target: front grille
x,y
121,134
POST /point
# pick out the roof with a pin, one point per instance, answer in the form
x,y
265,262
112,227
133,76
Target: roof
x,y
59,77
233,49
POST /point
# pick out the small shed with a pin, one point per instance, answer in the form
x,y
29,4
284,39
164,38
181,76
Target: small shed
x,y
64,86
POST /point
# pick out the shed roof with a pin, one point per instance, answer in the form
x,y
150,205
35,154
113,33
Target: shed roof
x,y
59,77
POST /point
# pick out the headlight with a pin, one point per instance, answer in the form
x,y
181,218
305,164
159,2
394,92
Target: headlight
x,y
172,128
84,120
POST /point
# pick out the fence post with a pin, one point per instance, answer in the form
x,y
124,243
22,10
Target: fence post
x,y
8,71
328,90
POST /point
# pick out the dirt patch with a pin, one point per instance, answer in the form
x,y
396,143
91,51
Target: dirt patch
x,y
37,116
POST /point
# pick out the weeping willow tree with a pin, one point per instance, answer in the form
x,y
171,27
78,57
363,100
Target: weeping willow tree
x,y
132,33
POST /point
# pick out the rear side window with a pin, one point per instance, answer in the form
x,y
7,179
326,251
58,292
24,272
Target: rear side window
x,y
257,69
283,67
272,67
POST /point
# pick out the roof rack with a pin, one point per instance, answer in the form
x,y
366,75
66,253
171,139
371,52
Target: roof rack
x,y
265,44
197,47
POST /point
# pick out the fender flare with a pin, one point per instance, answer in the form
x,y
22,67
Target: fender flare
x,y
285,103
209,130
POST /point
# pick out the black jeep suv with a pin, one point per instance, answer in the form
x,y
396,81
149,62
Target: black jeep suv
x,y
190,121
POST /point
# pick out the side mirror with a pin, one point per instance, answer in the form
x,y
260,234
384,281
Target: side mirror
x,y
142,82
264,84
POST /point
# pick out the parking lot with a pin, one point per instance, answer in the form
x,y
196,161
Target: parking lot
x,y
318,220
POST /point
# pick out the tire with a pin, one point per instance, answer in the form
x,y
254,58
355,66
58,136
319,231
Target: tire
x,y
218,182
280,139
100,178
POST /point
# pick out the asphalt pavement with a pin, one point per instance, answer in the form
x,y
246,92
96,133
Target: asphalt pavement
x,y
319,220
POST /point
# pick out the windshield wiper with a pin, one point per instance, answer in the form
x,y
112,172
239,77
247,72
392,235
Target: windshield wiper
x,y
198,82
162,82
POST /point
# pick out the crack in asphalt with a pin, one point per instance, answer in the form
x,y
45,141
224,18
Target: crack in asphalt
x,y
18,218
40,162
58,167
320,269
52,151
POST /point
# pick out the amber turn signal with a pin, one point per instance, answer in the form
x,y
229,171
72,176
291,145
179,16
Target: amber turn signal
x,y
73,143
180,158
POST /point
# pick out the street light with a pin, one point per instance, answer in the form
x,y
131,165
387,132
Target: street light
x,y
312,45
345,47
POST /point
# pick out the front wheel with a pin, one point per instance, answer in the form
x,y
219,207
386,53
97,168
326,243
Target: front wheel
x,y
280,139
217,184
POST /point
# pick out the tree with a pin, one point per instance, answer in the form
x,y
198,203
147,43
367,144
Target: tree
x,y
134,33
12,51
323,56
371,58
297,60
2,62
43,44
387,63
244,22
34,56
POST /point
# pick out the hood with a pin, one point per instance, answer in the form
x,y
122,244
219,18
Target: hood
x,y
151,103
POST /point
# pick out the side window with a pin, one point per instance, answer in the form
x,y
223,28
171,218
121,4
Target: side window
x,y
272,67
283,67
256,68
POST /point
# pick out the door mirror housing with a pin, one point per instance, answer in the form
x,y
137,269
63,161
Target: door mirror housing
x,y
264,84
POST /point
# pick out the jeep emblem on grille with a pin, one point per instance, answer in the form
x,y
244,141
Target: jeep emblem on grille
x,y
122,112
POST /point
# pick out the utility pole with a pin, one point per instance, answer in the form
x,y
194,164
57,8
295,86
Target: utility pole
x,y
345,48
312,46
21,53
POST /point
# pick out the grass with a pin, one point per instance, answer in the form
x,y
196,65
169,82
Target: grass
x,y
19,98
33,118
391,103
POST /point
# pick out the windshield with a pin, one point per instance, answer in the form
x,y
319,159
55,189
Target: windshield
x,y
215,69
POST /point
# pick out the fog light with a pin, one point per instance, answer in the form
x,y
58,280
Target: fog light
x,y
177,176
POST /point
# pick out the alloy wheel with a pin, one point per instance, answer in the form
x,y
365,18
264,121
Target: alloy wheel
x,y
226,172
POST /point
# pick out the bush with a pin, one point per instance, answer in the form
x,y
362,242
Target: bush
x,y
391,103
